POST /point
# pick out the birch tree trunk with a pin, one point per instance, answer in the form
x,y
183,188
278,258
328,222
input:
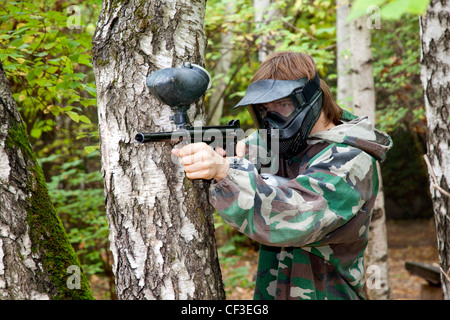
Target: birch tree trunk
x,y
161,226
362,72
435,76
222,69
263,15
37,260
344,80
364,104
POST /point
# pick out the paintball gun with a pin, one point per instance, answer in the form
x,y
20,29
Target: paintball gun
x,y
179,88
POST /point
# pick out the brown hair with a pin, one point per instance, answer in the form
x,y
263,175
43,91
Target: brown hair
x,y
288,65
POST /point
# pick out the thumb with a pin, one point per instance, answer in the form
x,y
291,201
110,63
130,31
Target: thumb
x,y
240,149
176,152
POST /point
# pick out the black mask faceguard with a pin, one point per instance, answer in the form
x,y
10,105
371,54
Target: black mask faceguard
x,y
294,129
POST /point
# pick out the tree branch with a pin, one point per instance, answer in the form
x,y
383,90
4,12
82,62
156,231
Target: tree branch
x,y
433,176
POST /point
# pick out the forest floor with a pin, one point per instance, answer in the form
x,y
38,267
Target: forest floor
x,y
408,240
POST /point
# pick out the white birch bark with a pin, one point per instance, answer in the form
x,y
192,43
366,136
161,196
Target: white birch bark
x,y
435,76
364,104
263,15
222,68
362,73
344,80
161,227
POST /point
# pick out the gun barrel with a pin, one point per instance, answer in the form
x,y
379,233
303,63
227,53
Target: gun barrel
x,y
193,134
153,137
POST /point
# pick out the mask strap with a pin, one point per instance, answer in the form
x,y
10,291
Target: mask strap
x,y
309,90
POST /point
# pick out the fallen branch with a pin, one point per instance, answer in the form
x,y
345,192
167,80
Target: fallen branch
x,y
433,176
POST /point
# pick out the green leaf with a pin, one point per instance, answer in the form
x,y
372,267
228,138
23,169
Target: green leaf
x,y
418,6
36,133
85,119
52,69
359,8
90,149
91,90
395,9
74,116
330,30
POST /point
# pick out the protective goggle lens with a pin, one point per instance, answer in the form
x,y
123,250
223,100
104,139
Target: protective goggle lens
x,y
279,111
284,107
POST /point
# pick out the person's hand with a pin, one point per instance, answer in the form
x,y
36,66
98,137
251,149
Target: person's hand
x,y
200,161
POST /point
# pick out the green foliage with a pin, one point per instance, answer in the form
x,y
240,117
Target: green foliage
x,y
404,163
48,63
396,63
231,257
388,9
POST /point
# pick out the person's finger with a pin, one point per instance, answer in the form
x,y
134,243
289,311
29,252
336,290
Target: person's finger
x,y
199,166
198,157
240,149
192,148
220,151
176,152
199,174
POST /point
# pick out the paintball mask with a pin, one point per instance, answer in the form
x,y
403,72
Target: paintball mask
x,y
290,106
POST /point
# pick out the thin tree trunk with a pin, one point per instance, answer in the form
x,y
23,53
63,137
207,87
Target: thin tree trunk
x,y
222,68
362,72
344,80
435,75
364,104
263,15
37,260
161,226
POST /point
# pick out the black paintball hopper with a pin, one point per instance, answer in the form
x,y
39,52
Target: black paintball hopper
x,y
179,87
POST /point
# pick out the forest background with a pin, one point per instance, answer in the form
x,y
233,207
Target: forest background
x,y
45,49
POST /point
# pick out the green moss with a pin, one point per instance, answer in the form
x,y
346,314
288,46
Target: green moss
x,y
201,214
47,233
101,63
187,184
116,3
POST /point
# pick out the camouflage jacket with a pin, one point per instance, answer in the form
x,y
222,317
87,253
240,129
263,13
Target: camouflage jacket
x,y
313,229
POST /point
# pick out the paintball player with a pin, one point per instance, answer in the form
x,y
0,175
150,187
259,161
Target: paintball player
x,y
313,226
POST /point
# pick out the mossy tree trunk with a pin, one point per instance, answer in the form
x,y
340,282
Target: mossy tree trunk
x,y
161,226
37,260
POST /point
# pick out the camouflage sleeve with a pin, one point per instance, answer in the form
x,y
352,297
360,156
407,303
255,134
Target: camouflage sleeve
x,y
304,210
